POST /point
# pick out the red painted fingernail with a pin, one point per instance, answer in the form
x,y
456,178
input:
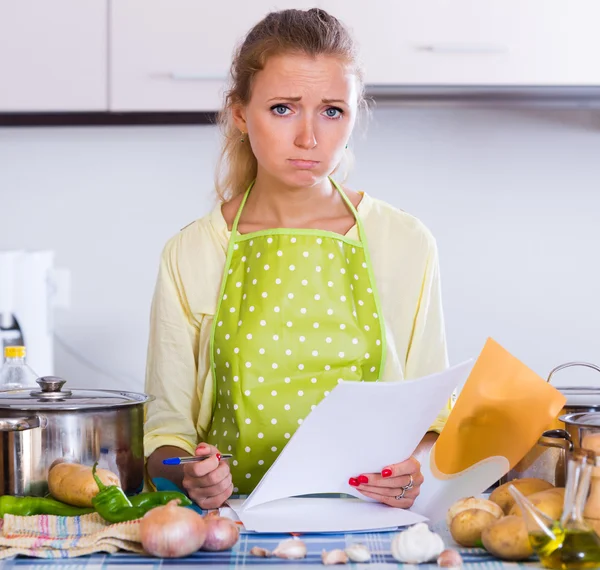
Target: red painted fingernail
x,y
386,473
219,456
363,479
354,482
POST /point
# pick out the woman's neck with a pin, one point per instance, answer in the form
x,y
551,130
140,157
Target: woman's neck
x,y
283,206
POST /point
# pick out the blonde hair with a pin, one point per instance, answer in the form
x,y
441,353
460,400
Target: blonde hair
x,y
311,32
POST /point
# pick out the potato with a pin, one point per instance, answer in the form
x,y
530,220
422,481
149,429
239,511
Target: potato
x,y
466,527
73,483
507,539
594,523
473,503
502,497
550,502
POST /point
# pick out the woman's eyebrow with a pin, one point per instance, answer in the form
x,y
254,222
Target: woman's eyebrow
x,y
284,99
295,99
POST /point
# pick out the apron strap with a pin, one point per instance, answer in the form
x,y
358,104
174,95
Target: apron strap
x,y
361,232
236,221
359,225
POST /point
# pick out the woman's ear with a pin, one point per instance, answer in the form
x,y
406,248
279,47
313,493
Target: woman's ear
x,y
238,113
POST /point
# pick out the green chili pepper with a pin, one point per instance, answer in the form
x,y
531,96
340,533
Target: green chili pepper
x,y
158,498
26,506
112,504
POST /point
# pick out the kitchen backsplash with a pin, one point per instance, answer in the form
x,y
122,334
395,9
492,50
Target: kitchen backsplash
x,y
511,195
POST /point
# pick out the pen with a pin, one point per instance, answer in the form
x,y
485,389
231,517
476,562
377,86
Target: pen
x,y
193,459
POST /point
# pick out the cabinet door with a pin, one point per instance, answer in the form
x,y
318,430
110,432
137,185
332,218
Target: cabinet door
x,y
174,55
474,42
53,55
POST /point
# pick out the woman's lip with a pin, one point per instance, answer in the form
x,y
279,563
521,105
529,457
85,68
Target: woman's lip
x,y
304,163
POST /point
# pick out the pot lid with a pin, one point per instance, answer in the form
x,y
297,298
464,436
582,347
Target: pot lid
x,y
585,419
51,396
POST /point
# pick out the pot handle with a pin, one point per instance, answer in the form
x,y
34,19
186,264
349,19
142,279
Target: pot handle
x,y
557,438
569,364
22,424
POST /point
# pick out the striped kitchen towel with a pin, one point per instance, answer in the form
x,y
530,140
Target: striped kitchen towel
x,y
48,536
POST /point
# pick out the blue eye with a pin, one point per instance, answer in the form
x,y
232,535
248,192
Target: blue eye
x,y
280,110
334,113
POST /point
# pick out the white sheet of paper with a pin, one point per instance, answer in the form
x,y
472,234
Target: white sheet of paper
x,y
303,514
360,427
233,505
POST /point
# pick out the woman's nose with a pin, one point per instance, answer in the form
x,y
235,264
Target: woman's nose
x,y
306,137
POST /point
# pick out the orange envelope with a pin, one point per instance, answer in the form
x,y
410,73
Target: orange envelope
x,y
502,410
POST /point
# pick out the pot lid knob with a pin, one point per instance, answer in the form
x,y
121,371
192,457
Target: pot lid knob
x,y
51,387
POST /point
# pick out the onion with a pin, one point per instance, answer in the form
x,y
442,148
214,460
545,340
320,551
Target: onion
x,y
171,531
221,533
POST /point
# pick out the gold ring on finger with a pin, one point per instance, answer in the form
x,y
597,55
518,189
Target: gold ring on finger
x,y
410,484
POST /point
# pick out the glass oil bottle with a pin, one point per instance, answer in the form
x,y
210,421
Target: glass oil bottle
x,y
569,543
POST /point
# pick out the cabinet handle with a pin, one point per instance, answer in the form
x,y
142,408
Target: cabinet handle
x,y
464,48
188,76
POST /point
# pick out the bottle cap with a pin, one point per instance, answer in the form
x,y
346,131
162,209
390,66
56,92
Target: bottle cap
x,y
14,352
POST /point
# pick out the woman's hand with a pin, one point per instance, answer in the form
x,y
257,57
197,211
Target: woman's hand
x,y
397,485
208,482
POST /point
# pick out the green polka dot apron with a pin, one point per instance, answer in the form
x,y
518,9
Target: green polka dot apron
x,y
298,312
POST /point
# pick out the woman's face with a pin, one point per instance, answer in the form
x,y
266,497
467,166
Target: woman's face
x,y
299,118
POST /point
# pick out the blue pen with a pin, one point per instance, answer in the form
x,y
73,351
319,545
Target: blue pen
x,y
193,459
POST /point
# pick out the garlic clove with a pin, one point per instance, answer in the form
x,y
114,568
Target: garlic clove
x,y
450,559
416,545
358,553
291,548
336,556
260,552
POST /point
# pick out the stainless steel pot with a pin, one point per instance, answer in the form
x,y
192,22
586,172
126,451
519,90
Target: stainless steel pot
x,y
548,458
581,425
579,398
41,427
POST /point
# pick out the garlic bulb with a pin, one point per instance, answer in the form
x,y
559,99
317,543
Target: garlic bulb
x,y
417,544
291,549
358,553
336,556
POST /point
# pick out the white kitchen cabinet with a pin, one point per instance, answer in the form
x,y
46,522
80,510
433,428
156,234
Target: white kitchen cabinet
x,y
476,42
53,55
174,55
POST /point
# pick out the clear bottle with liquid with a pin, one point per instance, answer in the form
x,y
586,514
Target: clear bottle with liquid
x,y
569,543
16,373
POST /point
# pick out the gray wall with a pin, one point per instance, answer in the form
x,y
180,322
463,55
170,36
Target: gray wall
x,y
512,196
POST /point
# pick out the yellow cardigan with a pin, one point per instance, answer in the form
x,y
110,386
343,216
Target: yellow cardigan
x,y
405,263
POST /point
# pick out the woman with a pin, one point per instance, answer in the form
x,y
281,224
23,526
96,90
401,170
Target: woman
x,y
264,305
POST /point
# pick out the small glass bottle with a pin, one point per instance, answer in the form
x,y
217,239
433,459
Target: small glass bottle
x,y
16,373
569,543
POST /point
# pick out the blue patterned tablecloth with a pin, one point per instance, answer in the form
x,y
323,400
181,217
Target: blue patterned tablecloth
x,y
239,557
